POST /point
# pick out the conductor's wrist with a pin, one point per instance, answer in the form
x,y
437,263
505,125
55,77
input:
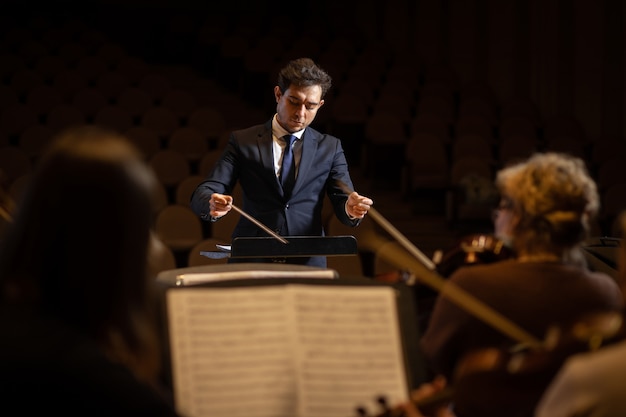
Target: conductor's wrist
x,y
350,216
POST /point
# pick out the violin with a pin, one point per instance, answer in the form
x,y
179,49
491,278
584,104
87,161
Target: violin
x,y
470,250
494,382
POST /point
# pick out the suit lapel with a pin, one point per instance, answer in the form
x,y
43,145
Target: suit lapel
x,y
265,143
309,148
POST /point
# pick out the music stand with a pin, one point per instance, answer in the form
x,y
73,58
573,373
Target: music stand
x,y
297,246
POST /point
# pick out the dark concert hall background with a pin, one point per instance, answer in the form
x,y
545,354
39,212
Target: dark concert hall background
x,y
430,97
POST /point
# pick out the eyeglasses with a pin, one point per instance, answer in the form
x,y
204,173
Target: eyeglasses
x,y
504,205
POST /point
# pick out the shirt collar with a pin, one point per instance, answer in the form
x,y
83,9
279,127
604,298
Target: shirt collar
x,y
279,131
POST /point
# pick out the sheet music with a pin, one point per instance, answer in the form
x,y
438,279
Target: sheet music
x,y
284,351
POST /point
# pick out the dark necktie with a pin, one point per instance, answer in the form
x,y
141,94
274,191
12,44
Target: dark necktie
x,y
288,170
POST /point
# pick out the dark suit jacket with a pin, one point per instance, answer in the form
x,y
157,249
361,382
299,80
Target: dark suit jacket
x,y
248,158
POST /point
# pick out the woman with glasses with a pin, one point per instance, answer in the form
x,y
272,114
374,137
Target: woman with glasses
x,y
547,205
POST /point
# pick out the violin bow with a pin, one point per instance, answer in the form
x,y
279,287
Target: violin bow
x,y
448,289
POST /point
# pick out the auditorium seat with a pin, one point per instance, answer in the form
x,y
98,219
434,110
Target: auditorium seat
x,y
34,140
185,189
613,202
42,98
160,257
178,227
155,85
15,119
181,102
431,123
135,101
89,101
208,161
427,168
472,144
517,125
145,140
63,116
567,144
190,143
480,108
15,162
111,84
113,117
564,126
209,121
170,166
475,125
516,147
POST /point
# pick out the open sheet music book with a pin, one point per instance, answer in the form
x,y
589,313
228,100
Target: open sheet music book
x,y
292,350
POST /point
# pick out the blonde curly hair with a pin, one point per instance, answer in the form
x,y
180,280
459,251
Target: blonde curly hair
x,y
554,199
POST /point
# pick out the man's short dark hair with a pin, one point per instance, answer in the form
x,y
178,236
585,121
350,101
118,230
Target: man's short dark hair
x,y
303,72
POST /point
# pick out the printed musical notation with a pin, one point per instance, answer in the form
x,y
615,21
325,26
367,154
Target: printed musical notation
x,y
294,350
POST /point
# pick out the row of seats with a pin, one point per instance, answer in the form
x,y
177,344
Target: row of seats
x,y
407,124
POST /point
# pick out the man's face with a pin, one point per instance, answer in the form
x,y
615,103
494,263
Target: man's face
x,y
298,106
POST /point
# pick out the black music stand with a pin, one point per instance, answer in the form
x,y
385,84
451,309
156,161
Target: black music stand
x,y
296,246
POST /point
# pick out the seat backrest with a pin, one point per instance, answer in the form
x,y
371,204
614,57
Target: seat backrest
x,y
427,160
431,123
160,120
517,125
160,257
516,147
178,227
135,101
14,162
180,102
567,144
145,139
475,125
385,128
470,166
207,162
189,142
186,187
472,145
114,117
610,172
209,121
170,167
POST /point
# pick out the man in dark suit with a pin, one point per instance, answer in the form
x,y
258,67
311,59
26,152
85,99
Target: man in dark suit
x,y
286,197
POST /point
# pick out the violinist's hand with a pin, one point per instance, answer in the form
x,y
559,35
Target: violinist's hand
x,y
220,204
423,392
358,205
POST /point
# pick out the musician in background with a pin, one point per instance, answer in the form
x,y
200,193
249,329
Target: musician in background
x,y
77,314
591,384
546,206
